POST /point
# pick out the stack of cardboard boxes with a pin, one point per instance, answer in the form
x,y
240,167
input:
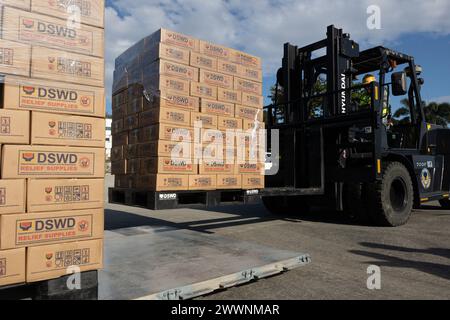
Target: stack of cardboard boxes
x,y
52,110
181,107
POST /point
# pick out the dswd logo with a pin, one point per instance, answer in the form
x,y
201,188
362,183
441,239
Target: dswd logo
x,y
28,23
29,90
28,156
26,226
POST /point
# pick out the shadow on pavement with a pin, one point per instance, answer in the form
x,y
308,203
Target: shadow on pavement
x,y
441,252
240,215
436,269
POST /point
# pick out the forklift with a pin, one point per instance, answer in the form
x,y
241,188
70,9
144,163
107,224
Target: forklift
x,y
339,143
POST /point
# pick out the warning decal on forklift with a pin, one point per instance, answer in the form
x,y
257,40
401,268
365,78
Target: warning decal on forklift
x,y
425,178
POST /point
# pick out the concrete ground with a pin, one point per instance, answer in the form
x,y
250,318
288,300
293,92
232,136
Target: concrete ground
x,y
414,259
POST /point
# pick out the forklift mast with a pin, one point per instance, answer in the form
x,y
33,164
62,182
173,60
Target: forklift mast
x,y
313,123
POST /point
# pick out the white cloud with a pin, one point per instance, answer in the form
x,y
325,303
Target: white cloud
x,y
262,26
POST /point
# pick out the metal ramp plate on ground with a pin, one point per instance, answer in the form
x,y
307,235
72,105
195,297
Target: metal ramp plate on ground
x,y
166,263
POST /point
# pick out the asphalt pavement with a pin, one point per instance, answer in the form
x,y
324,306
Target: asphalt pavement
x,y
414,260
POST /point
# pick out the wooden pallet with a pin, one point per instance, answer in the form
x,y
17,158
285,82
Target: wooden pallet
x,y
163,200
54,289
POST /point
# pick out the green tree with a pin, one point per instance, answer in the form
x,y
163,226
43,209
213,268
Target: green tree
x,y
435,113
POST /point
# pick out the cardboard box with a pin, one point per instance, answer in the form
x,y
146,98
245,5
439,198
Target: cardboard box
x,y
212,136
67,130
135,105
130,151
245,59
229,123
248,113
163,182
254,167
203,182
248,86
167,132
37,29
15,58
133,166
202,61
232,181
253,125
167,52
203,90
250,73
12,196
215,50
117,126
125,181
252,100
214,152
253,182
230,96
64,194
216,79
165,115
174,38
229,68
134,136
169,99
164,148
131,122
52,162
14,127
22,4
119,167
53,261
120,139
172,69
54,97
212,166
12,266
36,229
207,120
168,166
217,108
154,82
92,12
65,66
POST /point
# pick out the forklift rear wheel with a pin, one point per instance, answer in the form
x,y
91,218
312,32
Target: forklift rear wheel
x,y
445,203
292,205
390,201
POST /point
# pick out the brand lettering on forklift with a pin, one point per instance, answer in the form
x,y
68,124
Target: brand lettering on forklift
x,y
168,196
343,94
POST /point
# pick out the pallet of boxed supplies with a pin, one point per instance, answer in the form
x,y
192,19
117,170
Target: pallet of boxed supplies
x,y
52,137
171,89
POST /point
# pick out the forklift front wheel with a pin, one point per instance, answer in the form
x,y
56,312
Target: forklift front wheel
x,y
445,204
292,205
390,201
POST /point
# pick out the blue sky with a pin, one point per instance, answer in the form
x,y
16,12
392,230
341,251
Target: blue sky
x,y
417,28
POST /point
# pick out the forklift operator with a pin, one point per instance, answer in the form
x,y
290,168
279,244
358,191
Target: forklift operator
x,y
367,80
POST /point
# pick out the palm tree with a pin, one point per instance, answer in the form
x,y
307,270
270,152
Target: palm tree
x,y
435,113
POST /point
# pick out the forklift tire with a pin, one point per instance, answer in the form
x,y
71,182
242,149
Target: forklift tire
x,y
445,203
354,204
286,205
390,201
